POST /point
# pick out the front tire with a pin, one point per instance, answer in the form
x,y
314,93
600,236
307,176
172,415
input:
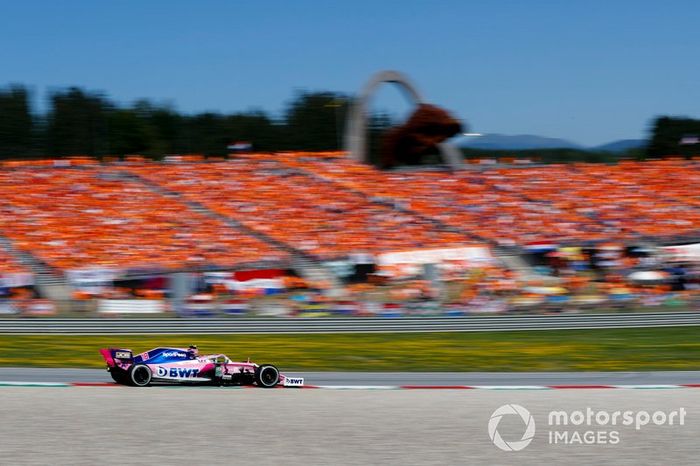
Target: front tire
x,y
140,375
267,376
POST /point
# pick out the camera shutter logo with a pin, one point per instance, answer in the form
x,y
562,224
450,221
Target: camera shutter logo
x,y
528,420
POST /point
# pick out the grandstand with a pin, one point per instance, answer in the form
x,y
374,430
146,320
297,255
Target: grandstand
x,y
315,211
566,204
72,218
301,211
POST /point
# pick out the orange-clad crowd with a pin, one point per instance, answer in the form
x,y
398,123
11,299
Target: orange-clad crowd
x,y
72,218
571,203
325,204
308,214
141,215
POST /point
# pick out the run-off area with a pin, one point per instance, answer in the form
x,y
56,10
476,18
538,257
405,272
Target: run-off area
x,y
91,425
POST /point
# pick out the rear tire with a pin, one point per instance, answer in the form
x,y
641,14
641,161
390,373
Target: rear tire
x,y
267,376
140,375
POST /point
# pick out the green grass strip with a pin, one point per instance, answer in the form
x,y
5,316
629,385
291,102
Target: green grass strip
x,y
568,350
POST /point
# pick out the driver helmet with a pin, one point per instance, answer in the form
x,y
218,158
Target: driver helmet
x,y
192,351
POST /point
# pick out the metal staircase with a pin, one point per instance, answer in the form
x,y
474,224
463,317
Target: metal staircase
x,y
49,282
315,272
393,204
305,265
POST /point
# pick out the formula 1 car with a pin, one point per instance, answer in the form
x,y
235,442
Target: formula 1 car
x,y
186,366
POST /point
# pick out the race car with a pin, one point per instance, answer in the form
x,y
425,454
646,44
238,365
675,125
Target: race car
x,y
186,366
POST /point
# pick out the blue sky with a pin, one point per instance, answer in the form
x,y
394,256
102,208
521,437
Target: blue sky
x,y
589,71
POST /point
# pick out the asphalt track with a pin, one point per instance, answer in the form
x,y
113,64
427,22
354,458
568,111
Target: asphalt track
x,y
211,326
514,379
102,425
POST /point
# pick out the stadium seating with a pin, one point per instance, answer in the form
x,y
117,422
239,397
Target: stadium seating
x,y
303,212
329,206
83,217
557,203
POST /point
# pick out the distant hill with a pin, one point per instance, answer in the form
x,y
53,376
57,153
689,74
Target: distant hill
x,y
621,145
519,142
494,141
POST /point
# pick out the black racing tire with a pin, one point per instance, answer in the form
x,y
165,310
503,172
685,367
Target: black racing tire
x,y
267,376
119,376
140,375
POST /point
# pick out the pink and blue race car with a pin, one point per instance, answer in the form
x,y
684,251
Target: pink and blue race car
x,y
186,366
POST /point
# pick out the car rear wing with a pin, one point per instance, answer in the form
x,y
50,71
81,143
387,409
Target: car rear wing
x,y
117,356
